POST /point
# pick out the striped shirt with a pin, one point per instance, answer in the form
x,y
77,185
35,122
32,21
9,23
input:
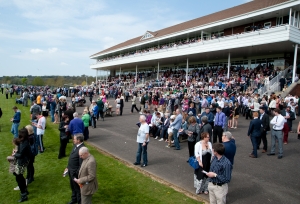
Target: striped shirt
x,y
222,168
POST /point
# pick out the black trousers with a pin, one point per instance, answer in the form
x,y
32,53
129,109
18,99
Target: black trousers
x,y
134,106
100,113
191,146
263,138
21,182
218,131
30,170
86,133
62,148
121,110
76,197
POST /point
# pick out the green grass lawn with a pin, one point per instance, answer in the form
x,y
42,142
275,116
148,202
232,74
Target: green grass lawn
x,y
117,182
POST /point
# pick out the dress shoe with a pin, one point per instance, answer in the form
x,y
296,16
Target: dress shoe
x,y
271,154
252,156
136,163
143,165
23,198
279,157
263,151
176,149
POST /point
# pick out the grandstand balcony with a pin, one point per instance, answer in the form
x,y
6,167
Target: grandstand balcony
x,y
276,39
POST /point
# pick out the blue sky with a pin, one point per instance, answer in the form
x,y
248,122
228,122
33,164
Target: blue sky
x,y
41,37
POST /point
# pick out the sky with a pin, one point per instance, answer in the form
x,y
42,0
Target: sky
x,y
56,37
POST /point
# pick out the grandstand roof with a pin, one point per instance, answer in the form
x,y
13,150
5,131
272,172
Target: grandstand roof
x,y
221,15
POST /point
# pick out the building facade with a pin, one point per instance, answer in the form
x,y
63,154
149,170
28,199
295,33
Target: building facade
x,y
257,32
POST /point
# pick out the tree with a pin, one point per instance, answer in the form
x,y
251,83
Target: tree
x,y
38,81
24,81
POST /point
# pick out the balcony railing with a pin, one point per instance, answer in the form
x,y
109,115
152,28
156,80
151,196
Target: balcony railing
x,y
201,43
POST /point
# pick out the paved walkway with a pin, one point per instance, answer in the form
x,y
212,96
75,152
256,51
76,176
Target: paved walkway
x,y
262,180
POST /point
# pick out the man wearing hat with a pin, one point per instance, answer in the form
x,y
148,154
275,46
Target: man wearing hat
x,y
265,126
15,122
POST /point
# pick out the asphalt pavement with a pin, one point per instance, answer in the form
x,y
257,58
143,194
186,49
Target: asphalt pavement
x,y
265,179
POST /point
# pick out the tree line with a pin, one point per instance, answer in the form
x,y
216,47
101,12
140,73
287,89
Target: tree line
x,y
47,80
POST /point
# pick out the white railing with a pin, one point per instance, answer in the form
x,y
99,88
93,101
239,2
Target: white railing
x,y
274,83
201,43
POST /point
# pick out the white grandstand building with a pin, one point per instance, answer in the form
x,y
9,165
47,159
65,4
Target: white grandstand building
x,y
257,32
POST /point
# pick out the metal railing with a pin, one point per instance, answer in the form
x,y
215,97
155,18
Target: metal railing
x,y
274,83
202,42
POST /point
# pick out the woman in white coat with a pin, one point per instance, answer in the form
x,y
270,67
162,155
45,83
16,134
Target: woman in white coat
x,y
203,154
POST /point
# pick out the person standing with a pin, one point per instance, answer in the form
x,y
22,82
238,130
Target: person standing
x,y
100,105
254,133
203,154
86,121
87,176
15,122
63,136
289,117
22,157
276,134
230,147
176,126
121,104
220,122
142,140
133,103
73,167
34,151
265,126
40,131
226,110
76,125
219,175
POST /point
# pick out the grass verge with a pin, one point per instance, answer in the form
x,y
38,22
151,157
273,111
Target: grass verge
x,y
118,183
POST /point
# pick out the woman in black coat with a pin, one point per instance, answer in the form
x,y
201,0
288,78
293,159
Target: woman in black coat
x,y
34,152
64,136
22,156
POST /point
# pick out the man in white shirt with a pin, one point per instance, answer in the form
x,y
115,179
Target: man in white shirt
x,y
276,134
142,140
221,103
40,131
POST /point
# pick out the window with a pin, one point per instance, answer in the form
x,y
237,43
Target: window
x,y
267,25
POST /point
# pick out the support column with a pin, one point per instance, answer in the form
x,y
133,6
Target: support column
x,y
228,68
135,74
106,77
295,63
201,35
290,17
249,63
120,74
96,76
187,70
294,21
157,71
297,25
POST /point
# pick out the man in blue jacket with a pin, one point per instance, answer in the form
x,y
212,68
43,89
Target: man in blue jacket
x,y
15,122
254,132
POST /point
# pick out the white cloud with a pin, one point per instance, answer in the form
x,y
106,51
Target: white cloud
x,y
52,50
64,64
36,51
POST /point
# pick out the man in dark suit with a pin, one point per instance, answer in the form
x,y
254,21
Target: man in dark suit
x,y
254,132
73,168
265,126
289,117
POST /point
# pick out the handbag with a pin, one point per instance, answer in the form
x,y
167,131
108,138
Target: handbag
x,y
193,162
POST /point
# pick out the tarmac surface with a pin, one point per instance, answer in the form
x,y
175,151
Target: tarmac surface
x,y
265,179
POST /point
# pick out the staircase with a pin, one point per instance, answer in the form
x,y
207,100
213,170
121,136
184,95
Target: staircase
x,y
274,83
